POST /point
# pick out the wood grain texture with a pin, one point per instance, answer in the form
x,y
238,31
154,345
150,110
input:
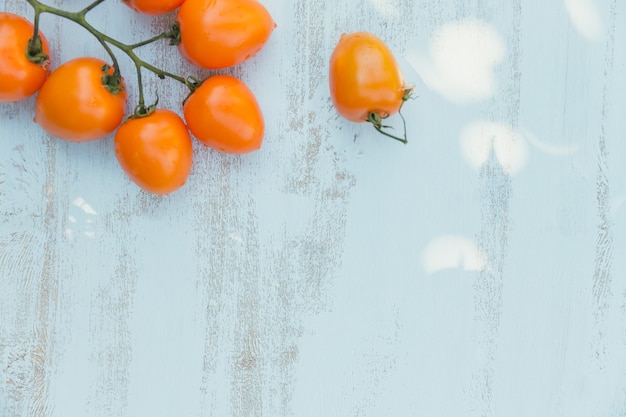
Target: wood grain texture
x,y
477,271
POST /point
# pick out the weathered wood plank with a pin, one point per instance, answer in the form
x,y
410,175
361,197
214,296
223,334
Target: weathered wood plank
x,y
477,271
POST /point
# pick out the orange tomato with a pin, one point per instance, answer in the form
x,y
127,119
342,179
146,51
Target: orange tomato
x,y
365,78
19,77
224,115
75,104
155,151
153,7
222,33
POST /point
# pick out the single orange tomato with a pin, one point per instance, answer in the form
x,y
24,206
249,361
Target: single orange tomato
x,y
20,77
222,33
366,83
223,114
155,151
82,100
153,7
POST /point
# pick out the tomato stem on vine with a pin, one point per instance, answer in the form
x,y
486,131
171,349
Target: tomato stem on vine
x,y
163,35
91,6
377,121
140,86
170,34
36,25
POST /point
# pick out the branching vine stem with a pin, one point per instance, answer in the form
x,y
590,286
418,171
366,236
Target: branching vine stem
x,y
106,41
91,6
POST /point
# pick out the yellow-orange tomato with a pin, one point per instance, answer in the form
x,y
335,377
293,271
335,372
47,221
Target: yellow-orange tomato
x,y
19,77
222,33
75,104
224,115
153,7
365,78
155,151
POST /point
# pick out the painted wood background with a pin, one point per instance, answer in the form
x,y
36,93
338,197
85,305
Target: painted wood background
x,y
479,270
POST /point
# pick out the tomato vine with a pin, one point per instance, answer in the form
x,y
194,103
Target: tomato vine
x,y
113,82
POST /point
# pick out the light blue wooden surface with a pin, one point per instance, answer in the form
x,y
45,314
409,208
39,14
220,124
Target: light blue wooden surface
x,y
479,270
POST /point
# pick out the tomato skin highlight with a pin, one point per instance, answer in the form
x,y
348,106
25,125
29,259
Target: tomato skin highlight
x,y
155,151
365,78
74,105
153,7
19,77
224,114
222,33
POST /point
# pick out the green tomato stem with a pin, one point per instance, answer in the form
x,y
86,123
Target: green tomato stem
x,y
377,121
36,24
163,35
171,34
140,84
91,6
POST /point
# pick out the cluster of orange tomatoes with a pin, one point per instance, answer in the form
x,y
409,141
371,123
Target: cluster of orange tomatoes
x,y
85,99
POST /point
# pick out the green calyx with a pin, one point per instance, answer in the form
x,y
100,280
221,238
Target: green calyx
x,y
408,94
142,110
112,81
174,34
35,53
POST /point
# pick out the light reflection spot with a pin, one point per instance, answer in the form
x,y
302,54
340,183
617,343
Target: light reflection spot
x,y
461,60
479,139
452,251
585,18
